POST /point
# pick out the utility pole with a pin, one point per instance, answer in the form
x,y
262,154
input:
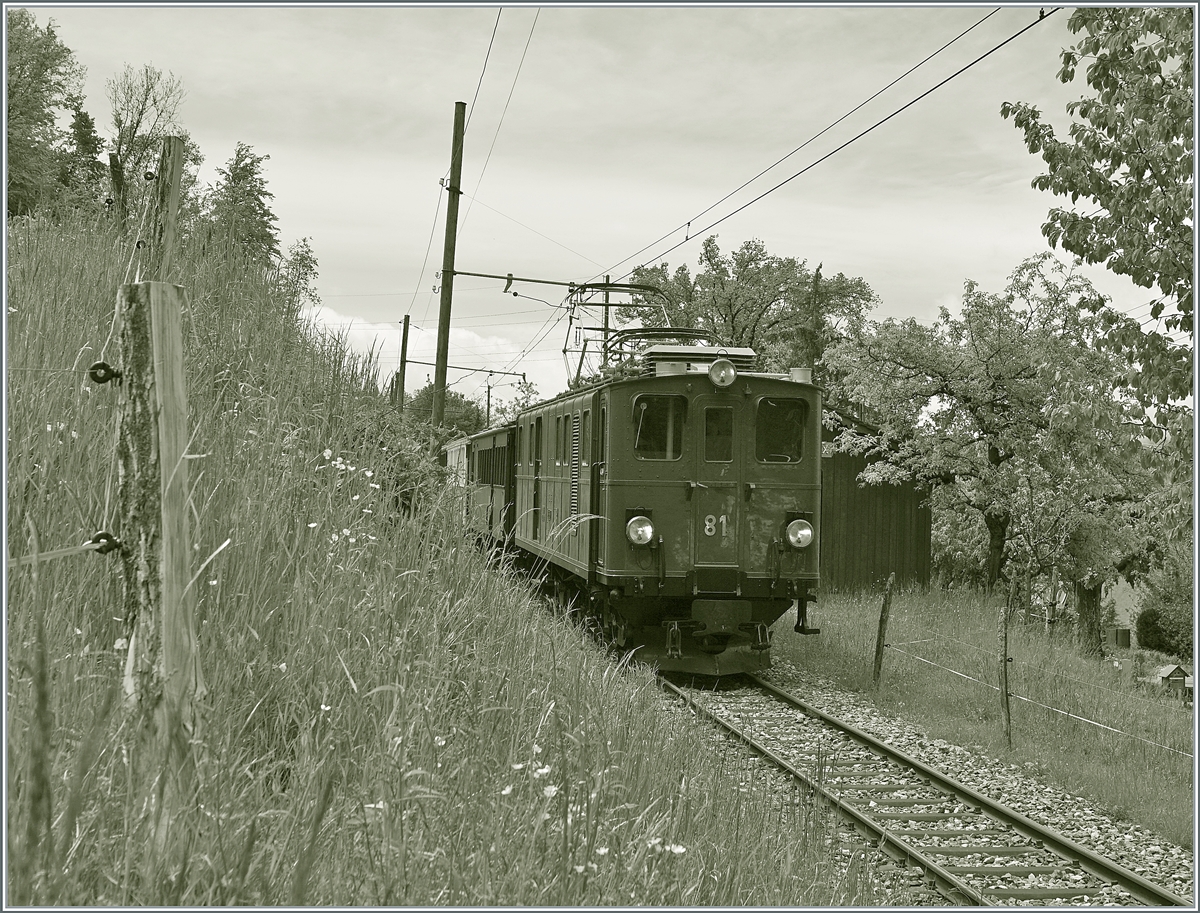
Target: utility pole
x,y
604,344
487,422
443,338
398,379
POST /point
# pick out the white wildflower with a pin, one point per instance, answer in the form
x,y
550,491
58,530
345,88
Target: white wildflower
x,y
550,791
328,453
541,772
506,791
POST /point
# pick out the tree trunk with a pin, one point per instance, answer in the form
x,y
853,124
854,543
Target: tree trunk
x,y
116,170
997,524
1087,605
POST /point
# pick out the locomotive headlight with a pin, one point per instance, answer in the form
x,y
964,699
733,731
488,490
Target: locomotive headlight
x,y
722,373
799,533
639,530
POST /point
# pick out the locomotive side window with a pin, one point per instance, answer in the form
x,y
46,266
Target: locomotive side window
x,y
520,451
779,430
603,434
558,439
585,441
658,427
718,435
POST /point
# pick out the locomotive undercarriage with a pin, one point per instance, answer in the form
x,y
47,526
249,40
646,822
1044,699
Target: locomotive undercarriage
x,y
709,634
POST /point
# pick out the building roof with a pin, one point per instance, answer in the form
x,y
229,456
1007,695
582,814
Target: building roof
x,y
1170,671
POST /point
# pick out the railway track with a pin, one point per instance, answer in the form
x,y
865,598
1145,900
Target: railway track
x,y
971,849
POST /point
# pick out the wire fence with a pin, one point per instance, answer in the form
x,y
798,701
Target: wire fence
x,y
1029,700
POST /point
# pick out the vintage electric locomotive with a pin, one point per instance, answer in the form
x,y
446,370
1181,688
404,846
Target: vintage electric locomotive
x,y
679,504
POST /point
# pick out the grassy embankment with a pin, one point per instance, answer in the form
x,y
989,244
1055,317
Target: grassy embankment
x,y
386,721
1128,777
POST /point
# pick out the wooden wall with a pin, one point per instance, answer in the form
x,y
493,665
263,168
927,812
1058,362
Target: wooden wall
x,y
867,532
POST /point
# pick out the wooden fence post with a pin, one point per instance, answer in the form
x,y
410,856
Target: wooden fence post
x,y
152,439
1002,633
882,635
163,679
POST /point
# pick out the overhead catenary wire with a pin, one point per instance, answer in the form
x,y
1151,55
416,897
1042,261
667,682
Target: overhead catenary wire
x,y
504,112
852,140
486,57
811,139
428,247
528,228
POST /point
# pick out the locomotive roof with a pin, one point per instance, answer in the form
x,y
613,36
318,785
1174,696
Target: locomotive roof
x,y
741,356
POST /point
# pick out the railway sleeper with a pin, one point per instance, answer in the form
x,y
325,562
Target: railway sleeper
x,y
1038,893
987,850
1015,870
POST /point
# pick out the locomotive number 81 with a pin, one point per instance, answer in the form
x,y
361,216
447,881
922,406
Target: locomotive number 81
x,y
680,507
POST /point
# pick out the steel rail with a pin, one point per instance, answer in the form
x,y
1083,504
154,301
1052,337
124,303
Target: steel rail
x,y
1104,869
948,885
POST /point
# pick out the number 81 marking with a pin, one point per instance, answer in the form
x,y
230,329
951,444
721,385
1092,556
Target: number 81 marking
x,y
710,525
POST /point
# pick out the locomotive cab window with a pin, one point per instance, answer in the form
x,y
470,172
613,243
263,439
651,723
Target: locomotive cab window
x,y
718,435
658,427
779,430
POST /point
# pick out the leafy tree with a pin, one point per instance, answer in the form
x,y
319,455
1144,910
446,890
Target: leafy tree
x,y
239,207
298,275
1131,155
145,110
44,80
996,409
1165,621
462,415
507,411
774,305
81,171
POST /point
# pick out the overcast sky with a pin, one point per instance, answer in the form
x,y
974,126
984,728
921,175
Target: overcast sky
x,y
619,125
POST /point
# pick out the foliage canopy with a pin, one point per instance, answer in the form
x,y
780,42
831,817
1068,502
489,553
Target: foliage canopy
x,y
1131,155
776,305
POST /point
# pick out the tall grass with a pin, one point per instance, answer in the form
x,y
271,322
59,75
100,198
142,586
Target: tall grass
x,y
1139,768
390,719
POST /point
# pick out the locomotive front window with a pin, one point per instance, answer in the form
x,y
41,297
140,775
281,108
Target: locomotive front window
x,y
718,435
779,430
658,427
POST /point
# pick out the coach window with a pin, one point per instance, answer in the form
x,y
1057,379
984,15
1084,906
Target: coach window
x,y
779,430
718,435
658,427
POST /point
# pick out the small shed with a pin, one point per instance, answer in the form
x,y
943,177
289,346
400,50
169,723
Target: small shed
x,y
1174,678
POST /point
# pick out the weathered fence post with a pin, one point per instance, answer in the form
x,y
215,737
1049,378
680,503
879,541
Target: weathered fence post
x,y
882,635
163,678
1002,632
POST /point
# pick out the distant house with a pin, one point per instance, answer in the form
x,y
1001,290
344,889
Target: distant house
x,y
1174,678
